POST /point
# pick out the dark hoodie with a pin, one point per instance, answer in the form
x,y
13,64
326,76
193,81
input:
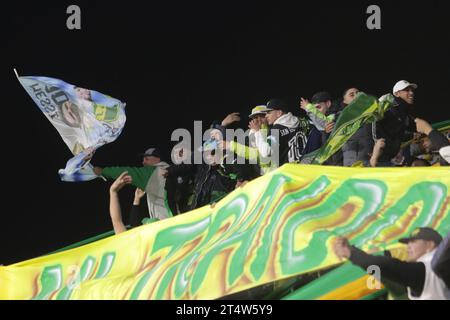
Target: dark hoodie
x,y
289,133
396,127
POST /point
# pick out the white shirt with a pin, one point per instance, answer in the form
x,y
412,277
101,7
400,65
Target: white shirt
x,y
434,287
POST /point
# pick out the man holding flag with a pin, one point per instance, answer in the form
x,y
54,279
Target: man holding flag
x,y
87,120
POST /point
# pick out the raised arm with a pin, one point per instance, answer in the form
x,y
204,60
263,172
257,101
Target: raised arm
x,y
408,274
139,175
114,204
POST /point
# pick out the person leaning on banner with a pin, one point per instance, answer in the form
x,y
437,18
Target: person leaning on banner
x,y
416,274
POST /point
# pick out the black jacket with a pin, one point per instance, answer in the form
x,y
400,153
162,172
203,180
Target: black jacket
x,y
290,144
292,135
179,187
408,274
211,183
396,127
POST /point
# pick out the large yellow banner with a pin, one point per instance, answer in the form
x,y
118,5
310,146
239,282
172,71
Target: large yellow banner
x,y
278,226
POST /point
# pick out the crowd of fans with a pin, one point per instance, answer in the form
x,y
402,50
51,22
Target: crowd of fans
x,y
397,140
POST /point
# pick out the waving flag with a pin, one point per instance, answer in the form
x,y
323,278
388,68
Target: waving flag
x,y
85,119
363,109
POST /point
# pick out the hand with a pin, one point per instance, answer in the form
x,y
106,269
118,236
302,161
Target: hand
x,y
377,151
164,173
232,117
120,182
423,127
304,103
89,155
224,145
255,124
329,127
138,194
341,248
98,171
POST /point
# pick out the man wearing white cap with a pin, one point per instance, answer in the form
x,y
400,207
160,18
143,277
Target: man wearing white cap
x,y
397,124
405,91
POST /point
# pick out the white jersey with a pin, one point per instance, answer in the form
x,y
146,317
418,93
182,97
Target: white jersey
x,y
434,287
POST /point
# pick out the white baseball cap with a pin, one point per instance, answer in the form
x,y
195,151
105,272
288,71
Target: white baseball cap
x,y
445,153
402,85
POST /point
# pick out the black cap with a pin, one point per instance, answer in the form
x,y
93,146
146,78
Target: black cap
x,y
151,152
426,234
277,104
319,97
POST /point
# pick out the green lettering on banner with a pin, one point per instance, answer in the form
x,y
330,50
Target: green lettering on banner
x,y
50,281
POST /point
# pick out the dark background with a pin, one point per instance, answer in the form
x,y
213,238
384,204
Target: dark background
x,y
179,62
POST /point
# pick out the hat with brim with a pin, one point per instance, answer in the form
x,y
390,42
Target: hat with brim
x,y
426,234
276,104
259,110
402,85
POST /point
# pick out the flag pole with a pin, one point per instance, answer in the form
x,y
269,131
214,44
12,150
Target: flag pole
x,y
15,71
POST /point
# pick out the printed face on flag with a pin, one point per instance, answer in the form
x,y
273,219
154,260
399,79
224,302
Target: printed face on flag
x,y
70,114
84,118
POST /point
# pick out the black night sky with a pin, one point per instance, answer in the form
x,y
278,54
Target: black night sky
x,y
173,63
